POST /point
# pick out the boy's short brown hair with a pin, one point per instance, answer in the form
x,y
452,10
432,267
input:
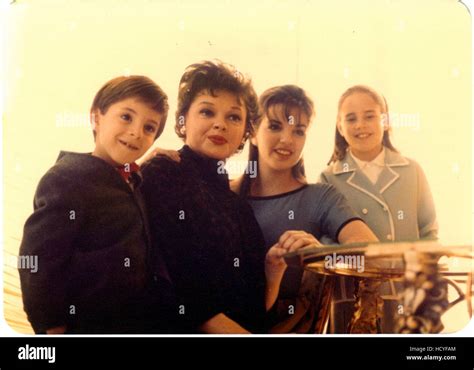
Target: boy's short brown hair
x,y
140,87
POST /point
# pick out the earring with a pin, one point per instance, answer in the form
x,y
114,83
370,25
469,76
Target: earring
x,y
242,143
241,147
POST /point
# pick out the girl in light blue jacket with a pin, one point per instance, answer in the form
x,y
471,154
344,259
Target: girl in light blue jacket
x,y
388,191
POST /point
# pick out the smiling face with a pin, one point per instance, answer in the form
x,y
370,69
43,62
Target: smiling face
x,y
360,123
125,132
215,125
280,140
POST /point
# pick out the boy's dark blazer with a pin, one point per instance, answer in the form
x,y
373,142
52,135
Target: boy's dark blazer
x,y
89,231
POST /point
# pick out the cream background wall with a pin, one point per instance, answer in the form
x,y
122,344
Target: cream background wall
x,y
417,53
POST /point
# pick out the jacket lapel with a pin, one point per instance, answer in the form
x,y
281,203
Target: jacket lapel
x,y
357,179
390,174
360,182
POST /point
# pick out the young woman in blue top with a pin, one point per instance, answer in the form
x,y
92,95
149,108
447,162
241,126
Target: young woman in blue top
x,y
286,206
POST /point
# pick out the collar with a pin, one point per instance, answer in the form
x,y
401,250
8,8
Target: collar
x,y
377,161
83,165
211,170
390,159
130,172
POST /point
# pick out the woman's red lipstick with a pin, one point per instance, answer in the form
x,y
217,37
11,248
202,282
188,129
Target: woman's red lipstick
x,y
217,139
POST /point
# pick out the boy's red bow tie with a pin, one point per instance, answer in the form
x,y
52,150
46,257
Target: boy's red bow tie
x,y
127,169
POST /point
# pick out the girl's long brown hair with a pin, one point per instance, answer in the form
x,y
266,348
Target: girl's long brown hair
x,y
341,145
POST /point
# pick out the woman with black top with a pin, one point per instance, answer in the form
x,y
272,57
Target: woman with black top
x,y
224,275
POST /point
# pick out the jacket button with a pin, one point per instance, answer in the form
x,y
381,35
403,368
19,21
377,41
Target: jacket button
x,y
389,236
364,211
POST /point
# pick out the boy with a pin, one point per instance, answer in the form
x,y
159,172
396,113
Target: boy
x,y
89,228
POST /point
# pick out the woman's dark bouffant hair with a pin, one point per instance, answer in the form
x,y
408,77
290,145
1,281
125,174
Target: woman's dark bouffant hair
x,y
212,76
341,145
289,97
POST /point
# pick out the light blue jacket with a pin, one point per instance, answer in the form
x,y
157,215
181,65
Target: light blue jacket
x,y
398,207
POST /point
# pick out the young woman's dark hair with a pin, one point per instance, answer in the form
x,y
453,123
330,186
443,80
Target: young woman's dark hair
x,y
288,97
